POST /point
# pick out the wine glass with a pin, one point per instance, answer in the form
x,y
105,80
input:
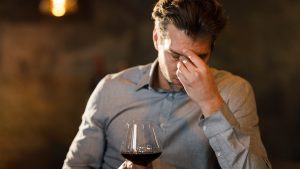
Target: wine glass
x,y
140,145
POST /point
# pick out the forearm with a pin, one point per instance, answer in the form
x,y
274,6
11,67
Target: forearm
x,y
233,146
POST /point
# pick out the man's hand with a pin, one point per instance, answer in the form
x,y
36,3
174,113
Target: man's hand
x,y
129,165
198,82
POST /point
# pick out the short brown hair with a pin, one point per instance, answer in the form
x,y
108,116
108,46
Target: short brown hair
x,y
195,17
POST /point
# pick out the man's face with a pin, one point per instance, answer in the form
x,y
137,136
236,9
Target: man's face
x,y
170,51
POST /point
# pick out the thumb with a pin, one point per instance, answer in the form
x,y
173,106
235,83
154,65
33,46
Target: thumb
x,y
126,165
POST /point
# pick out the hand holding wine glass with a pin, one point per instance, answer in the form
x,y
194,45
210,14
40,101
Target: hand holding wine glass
x,y
140,145
129,165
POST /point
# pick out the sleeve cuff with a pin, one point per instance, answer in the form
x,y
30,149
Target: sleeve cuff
x,y
219,122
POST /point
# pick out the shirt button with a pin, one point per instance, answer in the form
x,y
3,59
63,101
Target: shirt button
x,y
204,128
219,154
171,95
162,125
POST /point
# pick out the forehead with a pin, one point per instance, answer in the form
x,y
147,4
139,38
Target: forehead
x,y
177,40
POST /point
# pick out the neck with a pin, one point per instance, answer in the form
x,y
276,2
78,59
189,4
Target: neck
x,y
162,81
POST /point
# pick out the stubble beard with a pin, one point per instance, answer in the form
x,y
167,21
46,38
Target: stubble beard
x,y
173,82
175,86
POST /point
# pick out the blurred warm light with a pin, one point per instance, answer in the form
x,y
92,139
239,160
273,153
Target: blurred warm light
x,y
58,8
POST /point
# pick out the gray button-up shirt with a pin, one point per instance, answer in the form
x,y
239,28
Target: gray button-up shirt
x,y
230,138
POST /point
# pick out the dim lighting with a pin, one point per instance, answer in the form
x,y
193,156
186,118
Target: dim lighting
x,y
58,8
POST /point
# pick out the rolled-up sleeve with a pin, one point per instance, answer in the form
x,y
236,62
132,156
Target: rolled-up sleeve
x,y
233,131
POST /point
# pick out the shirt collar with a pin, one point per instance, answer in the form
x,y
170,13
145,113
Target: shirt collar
x,y
148,78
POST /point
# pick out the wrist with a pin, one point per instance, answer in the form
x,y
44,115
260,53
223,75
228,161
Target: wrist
x,y
211,106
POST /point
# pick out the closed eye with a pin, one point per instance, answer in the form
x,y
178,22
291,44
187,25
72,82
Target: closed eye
x,y
174,55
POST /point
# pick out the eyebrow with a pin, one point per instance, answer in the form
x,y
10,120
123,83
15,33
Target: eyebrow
x,y
175,52
202,55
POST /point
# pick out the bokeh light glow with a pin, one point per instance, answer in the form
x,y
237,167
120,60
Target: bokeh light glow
x,y
58,7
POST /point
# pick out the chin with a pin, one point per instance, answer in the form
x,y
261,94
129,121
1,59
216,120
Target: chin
x,y
176,82
176,85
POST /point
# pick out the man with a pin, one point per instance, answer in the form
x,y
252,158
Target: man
x,y
207,117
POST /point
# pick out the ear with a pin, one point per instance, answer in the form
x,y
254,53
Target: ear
x,y
155,38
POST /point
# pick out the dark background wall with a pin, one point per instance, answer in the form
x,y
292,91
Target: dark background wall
x,y
48,67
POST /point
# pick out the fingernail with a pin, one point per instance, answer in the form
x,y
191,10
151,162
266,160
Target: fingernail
x,y
184,61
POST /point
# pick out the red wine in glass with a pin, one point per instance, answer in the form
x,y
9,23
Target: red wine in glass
x,y
140,145
141,158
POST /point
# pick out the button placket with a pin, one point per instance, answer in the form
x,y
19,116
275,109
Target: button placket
x,y
166,110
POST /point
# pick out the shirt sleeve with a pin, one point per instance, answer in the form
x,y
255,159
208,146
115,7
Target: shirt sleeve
x,y
233,131
88,145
